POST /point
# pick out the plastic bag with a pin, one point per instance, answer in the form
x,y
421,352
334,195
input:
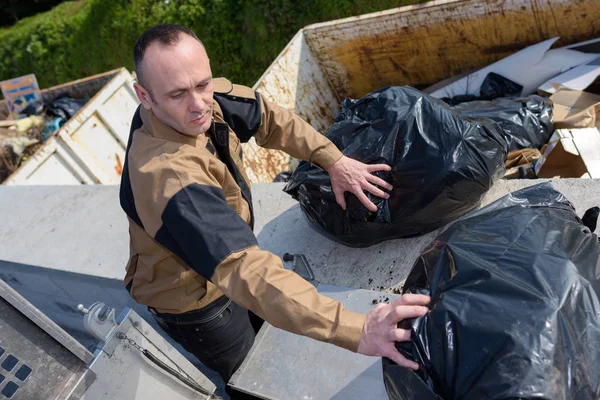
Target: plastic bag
x,y
527,122
64,107
441,166
495,85
515,310
492,87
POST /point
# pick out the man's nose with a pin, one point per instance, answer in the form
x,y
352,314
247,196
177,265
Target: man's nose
x,y
197,104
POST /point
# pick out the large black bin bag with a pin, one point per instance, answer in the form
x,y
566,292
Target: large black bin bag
x,y
527,121
515,311
441,166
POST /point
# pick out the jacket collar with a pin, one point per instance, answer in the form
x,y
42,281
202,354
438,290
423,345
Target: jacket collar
x,y
160,130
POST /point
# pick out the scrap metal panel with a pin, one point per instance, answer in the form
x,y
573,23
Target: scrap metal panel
x,y
38,360
282,365
124,373
294,81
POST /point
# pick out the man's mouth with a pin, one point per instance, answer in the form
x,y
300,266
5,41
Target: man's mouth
x,y
201,119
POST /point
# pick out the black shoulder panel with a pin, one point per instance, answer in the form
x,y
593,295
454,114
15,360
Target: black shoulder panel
x,y
242,114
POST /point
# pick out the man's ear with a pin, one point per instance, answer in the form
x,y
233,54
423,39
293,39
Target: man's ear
x,y
143,96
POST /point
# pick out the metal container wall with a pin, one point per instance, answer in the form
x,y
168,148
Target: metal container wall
x,y
417,45
90,147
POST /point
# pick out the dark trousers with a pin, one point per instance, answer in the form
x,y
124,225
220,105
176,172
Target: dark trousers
x,y
220,334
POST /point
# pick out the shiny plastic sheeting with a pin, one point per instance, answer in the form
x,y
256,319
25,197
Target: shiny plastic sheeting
x,y
493,87
515,311
526,122
441,166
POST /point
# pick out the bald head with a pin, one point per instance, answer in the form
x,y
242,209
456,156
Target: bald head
x,y
159,35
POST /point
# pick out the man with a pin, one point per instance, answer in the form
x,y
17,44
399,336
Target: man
x,y
194,259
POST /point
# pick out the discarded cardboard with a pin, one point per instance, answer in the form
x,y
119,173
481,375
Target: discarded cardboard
x,y
571,153
520,172
575,109
579,78
529,67
520,164
522,157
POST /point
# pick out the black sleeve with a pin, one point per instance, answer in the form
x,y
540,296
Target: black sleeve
x,y
201,228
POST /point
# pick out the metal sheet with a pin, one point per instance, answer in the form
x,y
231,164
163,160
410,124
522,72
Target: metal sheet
x,y
52,368
294,81
43,322
287,366
127,374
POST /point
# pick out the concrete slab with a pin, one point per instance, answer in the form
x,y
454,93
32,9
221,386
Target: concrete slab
x,y
79,229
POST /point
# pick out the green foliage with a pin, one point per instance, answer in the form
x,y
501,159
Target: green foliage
x,y
81,38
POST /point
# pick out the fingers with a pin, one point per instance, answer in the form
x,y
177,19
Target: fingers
x,y
365,200
376,191
412,300
379,182
378,167
399,335
339,197
400,313
399,359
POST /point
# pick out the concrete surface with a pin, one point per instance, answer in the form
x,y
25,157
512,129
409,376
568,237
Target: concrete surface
x,y
281,227
79,229
61,246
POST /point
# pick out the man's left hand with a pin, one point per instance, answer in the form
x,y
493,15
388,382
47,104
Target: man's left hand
x,y
348,175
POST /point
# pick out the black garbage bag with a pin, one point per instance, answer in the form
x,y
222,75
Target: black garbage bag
x,y
515,310
34,107
492,87
441,166
495,85
527,121
64,106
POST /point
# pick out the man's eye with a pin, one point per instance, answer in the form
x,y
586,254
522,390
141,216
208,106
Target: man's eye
x,y
176,96
202,85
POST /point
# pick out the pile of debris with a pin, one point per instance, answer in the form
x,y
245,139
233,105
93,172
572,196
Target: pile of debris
x,y
24,131
566,78
19,139
521,117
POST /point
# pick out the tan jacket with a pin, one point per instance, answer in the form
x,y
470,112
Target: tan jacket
x,y
190,218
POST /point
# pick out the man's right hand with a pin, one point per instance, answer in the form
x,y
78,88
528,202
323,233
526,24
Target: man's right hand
x,y
381,332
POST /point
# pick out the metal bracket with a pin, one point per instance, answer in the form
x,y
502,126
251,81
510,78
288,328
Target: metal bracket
x,y
99,320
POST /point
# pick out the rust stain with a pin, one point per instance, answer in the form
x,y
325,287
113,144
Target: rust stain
x,y
262,165
119,165
437,44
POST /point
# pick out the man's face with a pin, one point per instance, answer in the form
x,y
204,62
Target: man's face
x,y
179,88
